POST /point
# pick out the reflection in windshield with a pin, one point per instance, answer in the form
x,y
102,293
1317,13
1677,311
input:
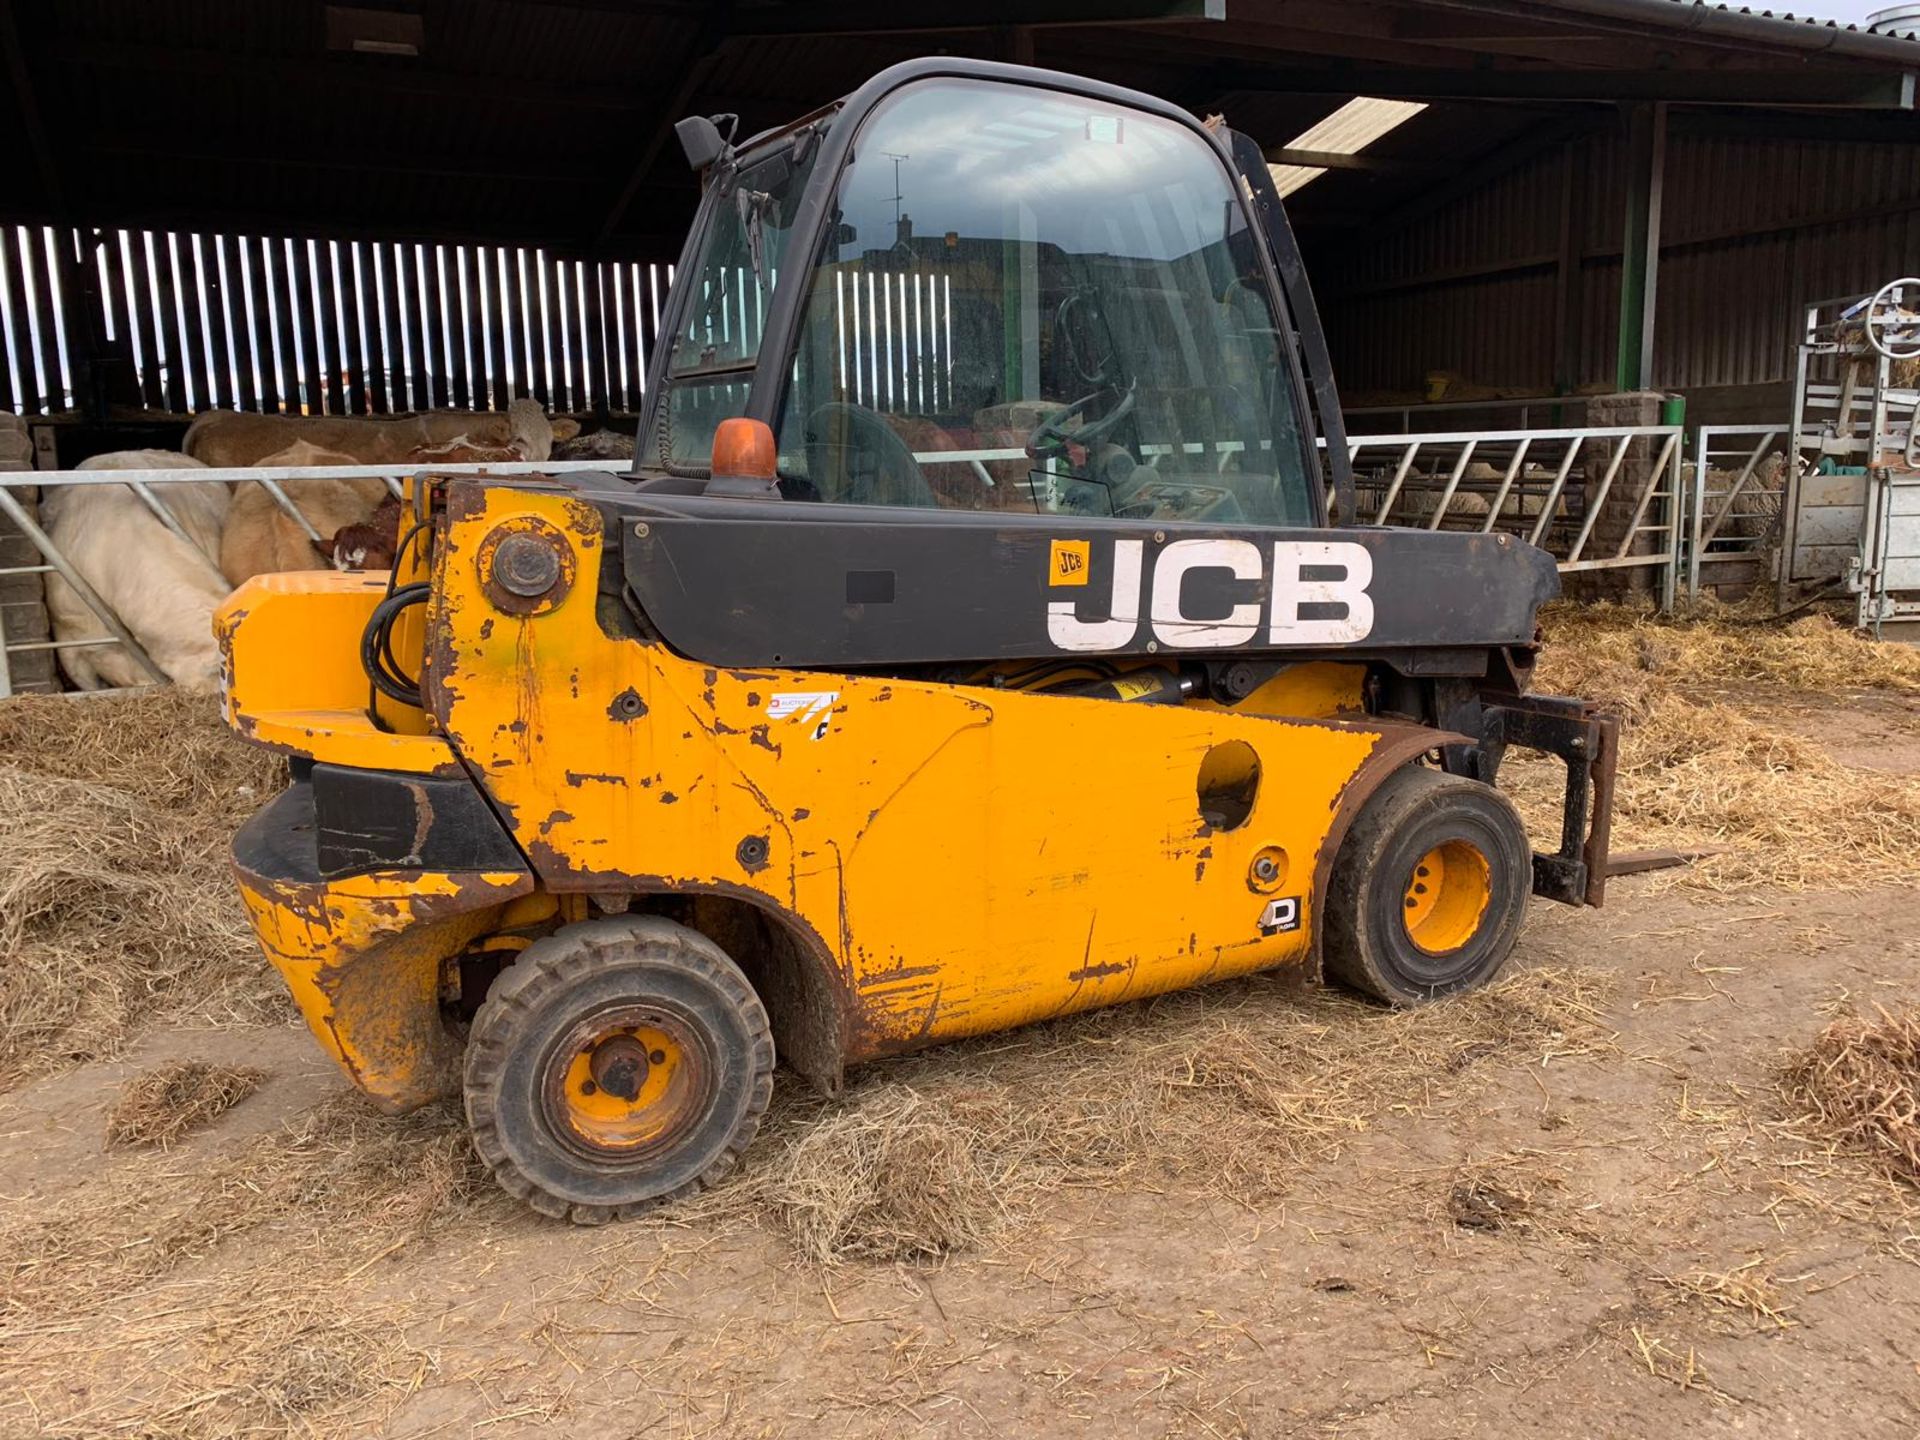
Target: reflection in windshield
x,y
1032,300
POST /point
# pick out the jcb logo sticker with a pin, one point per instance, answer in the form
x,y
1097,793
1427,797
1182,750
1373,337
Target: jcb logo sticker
x,y
1279,604
1070,558
1280,916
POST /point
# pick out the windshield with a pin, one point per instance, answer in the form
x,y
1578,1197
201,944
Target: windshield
x,y
1031,300
741,262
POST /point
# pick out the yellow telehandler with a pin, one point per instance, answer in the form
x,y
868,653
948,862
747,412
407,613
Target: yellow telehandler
x,y
981,635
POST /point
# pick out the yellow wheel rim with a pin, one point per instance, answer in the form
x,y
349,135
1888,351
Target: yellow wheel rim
x,y
1447,896
626,1083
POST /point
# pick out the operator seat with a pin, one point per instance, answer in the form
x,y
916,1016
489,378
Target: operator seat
x,y
856,458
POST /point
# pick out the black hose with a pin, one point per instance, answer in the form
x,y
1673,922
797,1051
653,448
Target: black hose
x,y
376,645
386,637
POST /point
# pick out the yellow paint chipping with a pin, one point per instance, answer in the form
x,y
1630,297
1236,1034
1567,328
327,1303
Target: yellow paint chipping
x,y
948,859
965,859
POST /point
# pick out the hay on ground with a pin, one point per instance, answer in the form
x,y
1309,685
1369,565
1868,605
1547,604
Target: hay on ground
x,y
116,907
342,1165
167,1102
165,746
1697,773
1626,655
1232,1089
1788,813
897,1176
218,1296
198,1278
1860,1085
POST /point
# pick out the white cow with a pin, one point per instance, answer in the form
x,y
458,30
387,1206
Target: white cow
x,y
163,588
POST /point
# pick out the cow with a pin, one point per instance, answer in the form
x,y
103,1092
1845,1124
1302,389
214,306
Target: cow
x,y
262,538
163,588
598,445
223,438
369,544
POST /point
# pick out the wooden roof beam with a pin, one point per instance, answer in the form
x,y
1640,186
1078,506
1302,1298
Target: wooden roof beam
x,y
328,74
1364,161
890,17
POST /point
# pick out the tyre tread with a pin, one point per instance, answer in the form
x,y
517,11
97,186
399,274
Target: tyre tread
x,y
1349,952
562,959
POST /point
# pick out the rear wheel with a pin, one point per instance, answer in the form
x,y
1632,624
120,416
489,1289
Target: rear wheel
x,y
616,1065
1429,889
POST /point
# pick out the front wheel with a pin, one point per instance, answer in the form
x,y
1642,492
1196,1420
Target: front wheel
x,y
616,1065
1429,889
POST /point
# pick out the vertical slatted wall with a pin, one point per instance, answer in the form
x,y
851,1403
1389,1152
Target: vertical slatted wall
x,y
323,327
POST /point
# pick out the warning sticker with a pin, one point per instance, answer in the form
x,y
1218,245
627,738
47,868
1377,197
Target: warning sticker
x,y
1132,687
809,706
1070,562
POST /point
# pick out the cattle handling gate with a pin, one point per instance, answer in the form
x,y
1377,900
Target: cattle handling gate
x,y
1852,509
1605,499
1597,498
150,486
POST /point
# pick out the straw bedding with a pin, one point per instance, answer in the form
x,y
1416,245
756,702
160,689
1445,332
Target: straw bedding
x,y
116,909
172,1100
1699,771
1859,1085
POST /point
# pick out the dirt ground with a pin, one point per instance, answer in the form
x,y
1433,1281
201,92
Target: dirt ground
x,y
1601,1218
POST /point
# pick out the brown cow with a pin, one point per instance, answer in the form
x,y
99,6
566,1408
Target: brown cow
x,y
223,438
369,544
261,538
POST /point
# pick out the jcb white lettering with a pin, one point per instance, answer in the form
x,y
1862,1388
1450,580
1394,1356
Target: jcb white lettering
x,y
1170,623
1070,632
1290,592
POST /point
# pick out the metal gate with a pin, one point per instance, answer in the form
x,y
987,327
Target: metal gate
x,y
150,487
1890,576
1734,504
1604,498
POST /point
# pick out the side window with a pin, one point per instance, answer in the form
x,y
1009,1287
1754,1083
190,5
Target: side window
x,y
1030,300
690,411
711,361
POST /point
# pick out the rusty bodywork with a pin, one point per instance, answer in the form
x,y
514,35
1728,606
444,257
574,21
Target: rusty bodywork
x,y
896,861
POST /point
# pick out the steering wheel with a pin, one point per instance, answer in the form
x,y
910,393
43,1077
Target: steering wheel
x,y
856,458
1051,437
1883,317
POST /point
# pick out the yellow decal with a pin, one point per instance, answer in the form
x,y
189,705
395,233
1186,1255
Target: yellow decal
x,y
1131,687
1070,559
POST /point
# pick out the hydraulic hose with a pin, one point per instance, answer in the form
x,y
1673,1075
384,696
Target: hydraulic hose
x,y
376,645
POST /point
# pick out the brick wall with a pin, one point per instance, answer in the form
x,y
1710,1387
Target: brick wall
x,y
23,610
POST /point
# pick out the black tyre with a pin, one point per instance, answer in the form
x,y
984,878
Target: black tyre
x,y
616,1065
1429,889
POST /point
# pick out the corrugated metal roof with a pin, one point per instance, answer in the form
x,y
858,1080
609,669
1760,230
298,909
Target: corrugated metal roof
x,y
1903,31
1695,14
